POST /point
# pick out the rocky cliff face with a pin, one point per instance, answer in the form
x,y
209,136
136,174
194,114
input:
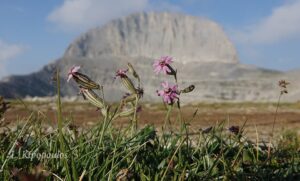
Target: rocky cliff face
x,y
151,35
203,55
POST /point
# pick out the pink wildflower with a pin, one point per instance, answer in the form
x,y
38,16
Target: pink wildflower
x,y
163,65
121,73
169,93
125,80
81,79
72,72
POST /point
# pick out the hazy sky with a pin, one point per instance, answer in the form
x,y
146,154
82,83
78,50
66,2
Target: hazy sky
x,y
33,33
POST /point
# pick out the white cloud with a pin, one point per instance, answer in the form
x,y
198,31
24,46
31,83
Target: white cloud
x,y
282,24
7,52
82,14
10,51
78,15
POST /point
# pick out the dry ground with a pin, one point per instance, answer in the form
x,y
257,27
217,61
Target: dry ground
x,y
258,116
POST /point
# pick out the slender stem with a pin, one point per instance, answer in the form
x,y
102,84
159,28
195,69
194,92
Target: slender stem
x,y
276,113
59,120
167,118
135,114
272,133
182,121
106,123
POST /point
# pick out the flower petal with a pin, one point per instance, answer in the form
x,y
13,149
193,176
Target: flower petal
x,y
165,85
160,93
75,69
166,69
168,60
157,69
69,77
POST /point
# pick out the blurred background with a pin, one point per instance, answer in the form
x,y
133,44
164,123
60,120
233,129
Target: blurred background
x,y
34,33
233,51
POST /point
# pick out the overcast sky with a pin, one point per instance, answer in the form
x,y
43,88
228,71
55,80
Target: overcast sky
x,y
33,33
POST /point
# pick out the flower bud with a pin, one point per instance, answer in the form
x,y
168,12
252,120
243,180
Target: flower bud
x,y
188,89
93,98
126,81
81,79
84,81
131,69
129,98
129,112
128,84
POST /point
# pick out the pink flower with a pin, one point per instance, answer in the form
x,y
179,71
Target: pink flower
x,y
121,73
163,65
72,72
169,93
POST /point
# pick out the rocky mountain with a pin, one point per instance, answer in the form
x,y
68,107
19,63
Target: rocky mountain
x,y
203,55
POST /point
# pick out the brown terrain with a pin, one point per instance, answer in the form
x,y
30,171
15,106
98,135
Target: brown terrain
x,y
257,117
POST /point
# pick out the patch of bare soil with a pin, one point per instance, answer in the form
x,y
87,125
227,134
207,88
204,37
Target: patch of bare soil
x,y
258,119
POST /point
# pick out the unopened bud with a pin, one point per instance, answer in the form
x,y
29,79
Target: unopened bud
x,y
84,81
129,112
131,69
188,89
93,98
129,98
284,92
128,84
81,79
126,80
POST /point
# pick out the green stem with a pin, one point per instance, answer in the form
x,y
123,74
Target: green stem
x,y
59,120
103,128
276,113
135,124
167,118
272,133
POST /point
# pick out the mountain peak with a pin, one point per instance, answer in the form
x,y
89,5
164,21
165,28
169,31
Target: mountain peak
x,y
203,56
151,35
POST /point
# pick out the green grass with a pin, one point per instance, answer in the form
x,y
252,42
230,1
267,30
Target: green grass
x,y
102,152
99,153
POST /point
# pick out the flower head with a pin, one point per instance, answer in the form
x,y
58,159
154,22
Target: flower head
x,y
72,72
121,73
283,85
82,80
126,80
169,93
163,65
93,98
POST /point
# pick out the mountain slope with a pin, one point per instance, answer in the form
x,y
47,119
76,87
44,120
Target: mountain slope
x,y
154,34
202,52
